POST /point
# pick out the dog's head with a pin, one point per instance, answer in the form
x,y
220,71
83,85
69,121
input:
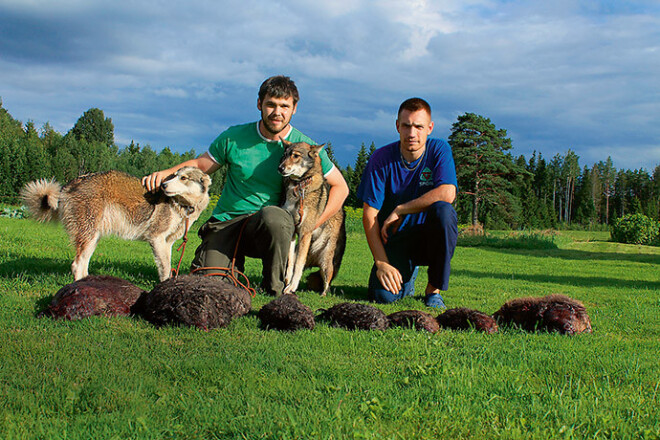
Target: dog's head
x,y
298,159
188,183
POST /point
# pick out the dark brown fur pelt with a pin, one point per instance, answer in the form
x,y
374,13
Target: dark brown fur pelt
x,y
464,319
93,295
552,313
286,313
194,300
354,316
414,318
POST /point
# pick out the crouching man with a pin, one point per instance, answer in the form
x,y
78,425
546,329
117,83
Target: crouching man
x,y
407,189
247,220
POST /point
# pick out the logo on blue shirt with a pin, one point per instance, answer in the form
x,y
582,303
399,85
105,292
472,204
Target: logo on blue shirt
x,y
426,177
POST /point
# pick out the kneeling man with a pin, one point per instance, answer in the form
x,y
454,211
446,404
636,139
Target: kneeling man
x,y
407,189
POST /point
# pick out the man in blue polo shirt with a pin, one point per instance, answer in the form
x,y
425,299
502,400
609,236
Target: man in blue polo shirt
x,y
407,189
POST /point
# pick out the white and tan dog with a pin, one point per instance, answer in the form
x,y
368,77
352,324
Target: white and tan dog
x,y
99,204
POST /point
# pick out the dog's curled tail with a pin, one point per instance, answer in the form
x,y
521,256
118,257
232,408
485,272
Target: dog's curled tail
x,y
42,198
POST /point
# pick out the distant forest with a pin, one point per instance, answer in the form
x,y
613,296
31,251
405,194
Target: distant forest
x,y
496,188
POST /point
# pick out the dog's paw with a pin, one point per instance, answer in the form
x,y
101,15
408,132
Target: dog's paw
x,y
289,289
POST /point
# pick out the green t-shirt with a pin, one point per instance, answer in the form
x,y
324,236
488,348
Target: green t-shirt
x,y
252,177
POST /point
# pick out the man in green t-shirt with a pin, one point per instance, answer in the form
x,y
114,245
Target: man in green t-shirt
x,y
251,195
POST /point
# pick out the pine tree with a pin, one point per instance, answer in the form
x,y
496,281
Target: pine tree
x,y
356,176
372,150
483,168
37,163
655,194
607,174
331,154
554,171
570,172
585,211
94,126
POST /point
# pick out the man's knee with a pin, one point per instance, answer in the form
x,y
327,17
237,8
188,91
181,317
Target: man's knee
x,y
277,220
442,223
442,212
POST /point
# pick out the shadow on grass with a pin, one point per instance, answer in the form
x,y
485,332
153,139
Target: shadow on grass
x,y
579,255
33,266
569,280
37,267
42,304
349,292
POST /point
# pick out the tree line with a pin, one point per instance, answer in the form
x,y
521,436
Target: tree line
x,y
496,189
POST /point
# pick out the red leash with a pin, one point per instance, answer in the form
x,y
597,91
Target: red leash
x,y
231,272
182,247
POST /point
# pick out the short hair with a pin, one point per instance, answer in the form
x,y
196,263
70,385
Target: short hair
x,y
413,105
279,86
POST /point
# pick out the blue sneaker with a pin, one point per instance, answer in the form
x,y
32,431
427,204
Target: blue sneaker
x,y
435,300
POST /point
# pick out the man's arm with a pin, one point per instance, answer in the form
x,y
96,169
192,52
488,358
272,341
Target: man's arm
x,y
444,193
336,196
204,162
388,275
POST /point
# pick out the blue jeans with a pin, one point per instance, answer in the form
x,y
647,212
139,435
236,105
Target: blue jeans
x,y
429,244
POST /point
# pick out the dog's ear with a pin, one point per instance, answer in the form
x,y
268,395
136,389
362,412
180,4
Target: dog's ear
x,y
206,182
315,149
285,142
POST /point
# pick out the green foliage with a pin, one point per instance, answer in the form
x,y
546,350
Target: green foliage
x,y
483,169
93,126
513,240
353,175
353,220
636,229
13,212
331,154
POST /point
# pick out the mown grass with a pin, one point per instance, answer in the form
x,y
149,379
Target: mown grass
x,y
122,378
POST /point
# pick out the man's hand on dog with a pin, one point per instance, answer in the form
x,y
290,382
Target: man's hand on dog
x,y
153,181
389,276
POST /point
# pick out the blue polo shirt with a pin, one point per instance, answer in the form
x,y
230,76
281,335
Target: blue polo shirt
x,y
388,182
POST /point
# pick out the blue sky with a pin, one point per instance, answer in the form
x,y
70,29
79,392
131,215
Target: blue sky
x,y
579,75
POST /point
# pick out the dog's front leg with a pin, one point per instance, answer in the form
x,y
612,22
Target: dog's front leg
x,y
290,262
301,259
163,256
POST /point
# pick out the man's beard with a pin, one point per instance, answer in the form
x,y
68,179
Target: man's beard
x,y
271,130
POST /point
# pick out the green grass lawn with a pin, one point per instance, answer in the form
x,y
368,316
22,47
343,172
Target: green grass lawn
x,y
121,378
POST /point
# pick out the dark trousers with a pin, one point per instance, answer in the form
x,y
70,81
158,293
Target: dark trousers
x,y
429,244
267,235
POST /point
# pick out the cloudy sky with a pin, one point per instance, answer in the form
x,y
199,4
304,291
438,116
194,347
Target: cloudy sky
x,y
557,75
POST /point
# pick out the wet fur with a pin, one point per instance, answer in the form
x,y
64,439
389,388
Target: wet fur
x,y
102,295
286,313
465,319
416,319
355,316
552,313
322,247
193,300
112,202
